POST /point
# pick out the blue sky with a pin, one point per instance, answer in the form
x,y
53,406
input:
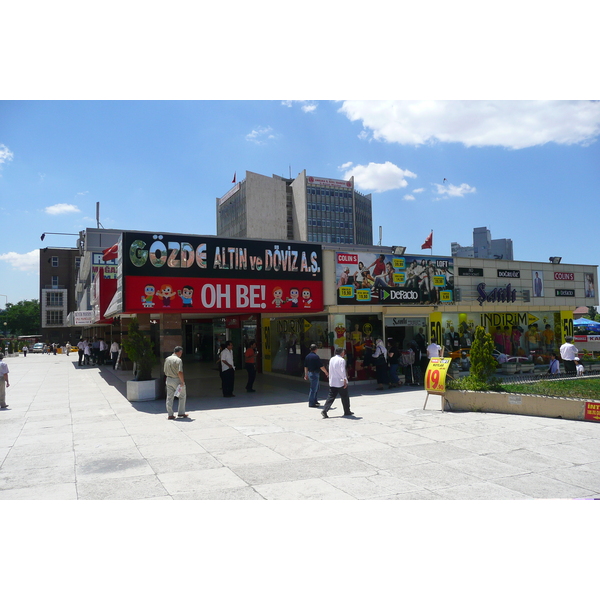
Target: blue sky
x,y
80,123
527,170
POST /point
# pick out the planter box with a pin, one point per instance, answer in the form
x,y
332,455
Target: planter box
x,y
143,391
574,409
509,368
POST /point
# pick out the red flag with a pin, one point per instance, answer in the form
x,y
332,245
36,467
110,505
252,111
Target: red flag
x,y
233,180
110,253
428,242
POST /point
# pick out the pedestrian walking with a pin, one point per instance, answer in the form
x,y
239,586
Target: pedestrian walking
x,y
175,383
54,348
102,350
434,350
81,344
24,349
381,366
393,362
250,365
338,383
312,372
569,354
68,348
114,353
87,353
228,370
3,381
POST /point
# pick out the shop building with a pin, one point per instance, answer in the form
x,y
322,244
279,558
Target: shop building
x,y
58,273
198,291
307,208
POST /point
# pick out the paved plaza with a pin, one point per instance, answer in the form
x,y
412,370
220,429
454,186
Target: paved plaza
x,y
70,433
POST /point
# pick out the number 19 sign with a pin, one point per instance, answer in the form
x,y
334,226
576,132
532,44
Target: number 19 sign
x,y
435,377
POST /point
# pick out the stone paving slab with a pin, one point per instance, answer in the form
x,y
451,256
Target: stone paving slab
x,y
69,433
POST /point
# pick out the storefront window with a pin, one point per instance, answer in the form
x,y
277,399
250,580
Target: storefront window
x,y
290,340
530,335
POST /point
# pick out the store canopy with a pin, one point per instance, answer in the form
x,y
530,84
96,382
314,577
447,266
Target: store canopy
x,y
589,324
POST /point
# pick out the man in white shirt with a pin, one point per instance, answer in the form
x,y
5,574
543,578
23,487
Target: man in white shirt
x,y
338,383
173,368
227,370
3,381
569,353
114,353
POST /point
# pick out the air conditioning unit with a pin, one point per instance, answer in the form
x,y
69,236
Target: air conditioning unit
x,y
457,295
526,296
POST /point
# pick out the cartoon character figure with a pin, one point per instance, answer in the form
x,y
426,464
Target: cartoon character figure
x,y
166,293
148,297
306,299
294,297
186,295
340,332
278,297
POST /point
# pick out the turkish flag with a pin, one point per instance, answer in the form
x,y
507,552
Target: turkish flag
x,y
233,180
110,253
428,242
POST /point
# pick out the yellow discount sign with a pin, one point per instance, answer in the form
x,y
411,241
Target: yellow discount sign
x,y
435,377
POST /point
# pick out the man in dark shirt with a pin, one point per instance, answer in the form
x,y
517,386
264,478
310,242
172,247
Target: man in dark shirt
x,y
312,368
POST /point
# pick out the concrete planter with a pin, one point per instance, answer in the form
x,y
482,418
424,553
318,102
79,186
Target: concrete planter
x,y
509,368
143,391
574,409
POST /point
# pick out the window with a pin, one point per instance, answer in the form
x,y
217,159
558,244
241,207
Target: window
x,y
77,262
55,261
54,280
54,317
54,299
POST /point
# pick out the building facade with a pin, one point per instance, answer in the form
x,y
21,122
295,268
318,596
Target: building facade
x,y
484,246
197,291
307,208
58,273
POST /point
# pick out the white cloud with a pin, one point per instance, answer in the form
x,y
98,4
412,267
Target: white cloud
x,y
306,106
512,124
409,197
22,262
5,155
82,193
260,135
378,177
418,190
454,190
61,209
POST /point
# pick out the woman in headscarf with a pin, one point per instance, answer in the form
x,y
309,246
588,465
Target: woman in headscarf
x,y
381,366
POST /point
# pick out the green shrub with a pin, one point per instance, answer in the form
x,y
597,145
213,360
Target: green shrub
x,y
483,363
140,350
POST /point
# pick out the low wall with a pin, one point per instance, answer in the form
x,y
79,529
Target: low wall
x,y
574,409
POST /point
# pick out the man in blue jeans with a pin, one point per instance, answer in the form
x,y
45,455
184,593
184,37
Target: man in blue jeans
x,y
312,372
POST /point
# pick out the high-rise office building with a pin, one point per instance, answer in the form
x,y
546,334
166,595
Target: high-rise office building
x,y
307,208
484,246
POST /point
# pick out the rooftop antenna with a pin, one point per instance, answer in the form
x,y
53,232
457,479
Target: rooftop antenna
x,y
98,224
380,233
290,171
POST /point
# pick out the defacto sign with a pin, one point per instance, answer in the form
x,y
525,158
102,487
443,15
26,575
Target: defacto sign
x,y
174,273
370,278
509,273
564,276
568,293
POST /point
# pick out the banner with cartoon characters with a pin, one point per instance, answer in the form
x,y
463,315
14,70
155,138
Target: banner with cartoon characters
x,y
174,273
369,278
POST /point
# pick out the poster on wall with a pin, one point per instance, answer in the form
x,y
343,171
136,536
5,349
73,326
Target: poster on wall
x,y
175,273
589,285
370,278
538,284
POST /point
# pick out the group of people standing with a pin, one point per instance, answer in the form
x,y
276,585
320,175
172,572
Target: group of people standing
x,y
97,352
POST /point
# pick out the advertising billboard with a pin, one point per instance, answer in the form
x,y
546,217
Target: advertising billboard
x,y
370,278
186,273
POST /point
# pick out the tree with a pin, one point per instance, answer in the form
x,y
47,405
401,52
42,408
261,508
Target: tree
x,y
483,363
140,350
22,318
593,313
